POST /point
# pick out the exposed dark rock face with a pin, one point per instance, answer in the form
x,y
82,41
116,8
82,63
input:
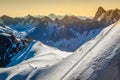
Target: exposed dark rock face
x,y
5,45
9,46
99,12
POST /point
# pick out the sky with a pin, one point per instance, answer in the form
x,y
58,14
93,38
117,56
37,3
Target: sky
x,y
15,8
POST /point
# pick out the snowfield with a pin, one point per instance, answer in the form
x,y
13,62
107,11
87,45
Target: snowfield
x,y
35,56
39,55
98,59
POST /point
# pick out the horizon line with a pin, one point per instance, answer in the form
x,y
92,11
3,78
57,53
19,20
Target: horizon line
x,y
47,15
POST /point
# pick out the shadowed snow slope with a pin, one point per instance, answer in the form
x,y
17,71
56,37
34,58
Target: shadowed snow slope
x,y
98,59
40,55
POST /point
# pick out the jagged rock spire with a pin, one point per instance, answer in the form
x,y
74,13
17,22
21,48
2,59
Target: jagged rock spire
x,y
99,12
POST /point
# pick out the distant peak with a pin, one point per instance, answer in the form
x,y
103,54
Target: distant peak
x,y
101,9
99,12
29,15
116,9
46,19
52,14
5,16
66,16
69,17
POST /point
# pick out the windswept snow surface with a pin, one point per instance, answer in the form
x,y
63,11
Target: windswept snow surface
x,y
97,59
34,57
39,55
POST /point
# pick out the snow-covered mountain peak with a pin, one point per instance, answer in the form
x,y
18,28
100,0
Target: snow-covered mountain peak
x,y
46,19
52,16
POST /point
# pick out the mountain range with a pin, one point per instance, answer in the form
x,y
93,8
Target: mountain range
x,y
64,33
29,41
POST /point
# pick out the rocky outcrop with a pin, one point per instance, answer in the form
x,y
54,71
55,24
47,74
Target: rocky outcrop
x,y
99,12
9,46
107,17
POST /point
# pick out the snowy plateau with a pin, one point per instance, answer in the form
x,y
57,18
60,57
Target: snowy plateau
x,y
61,47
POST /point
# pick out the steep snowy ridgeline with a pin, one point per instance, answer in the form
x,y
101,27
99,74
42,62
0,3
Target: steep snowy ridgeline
x,y
39,55
6,29
98,59
101,60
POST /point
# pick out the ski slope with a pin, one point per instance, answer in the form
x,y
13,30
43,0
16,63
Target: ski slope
x,y
97,59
